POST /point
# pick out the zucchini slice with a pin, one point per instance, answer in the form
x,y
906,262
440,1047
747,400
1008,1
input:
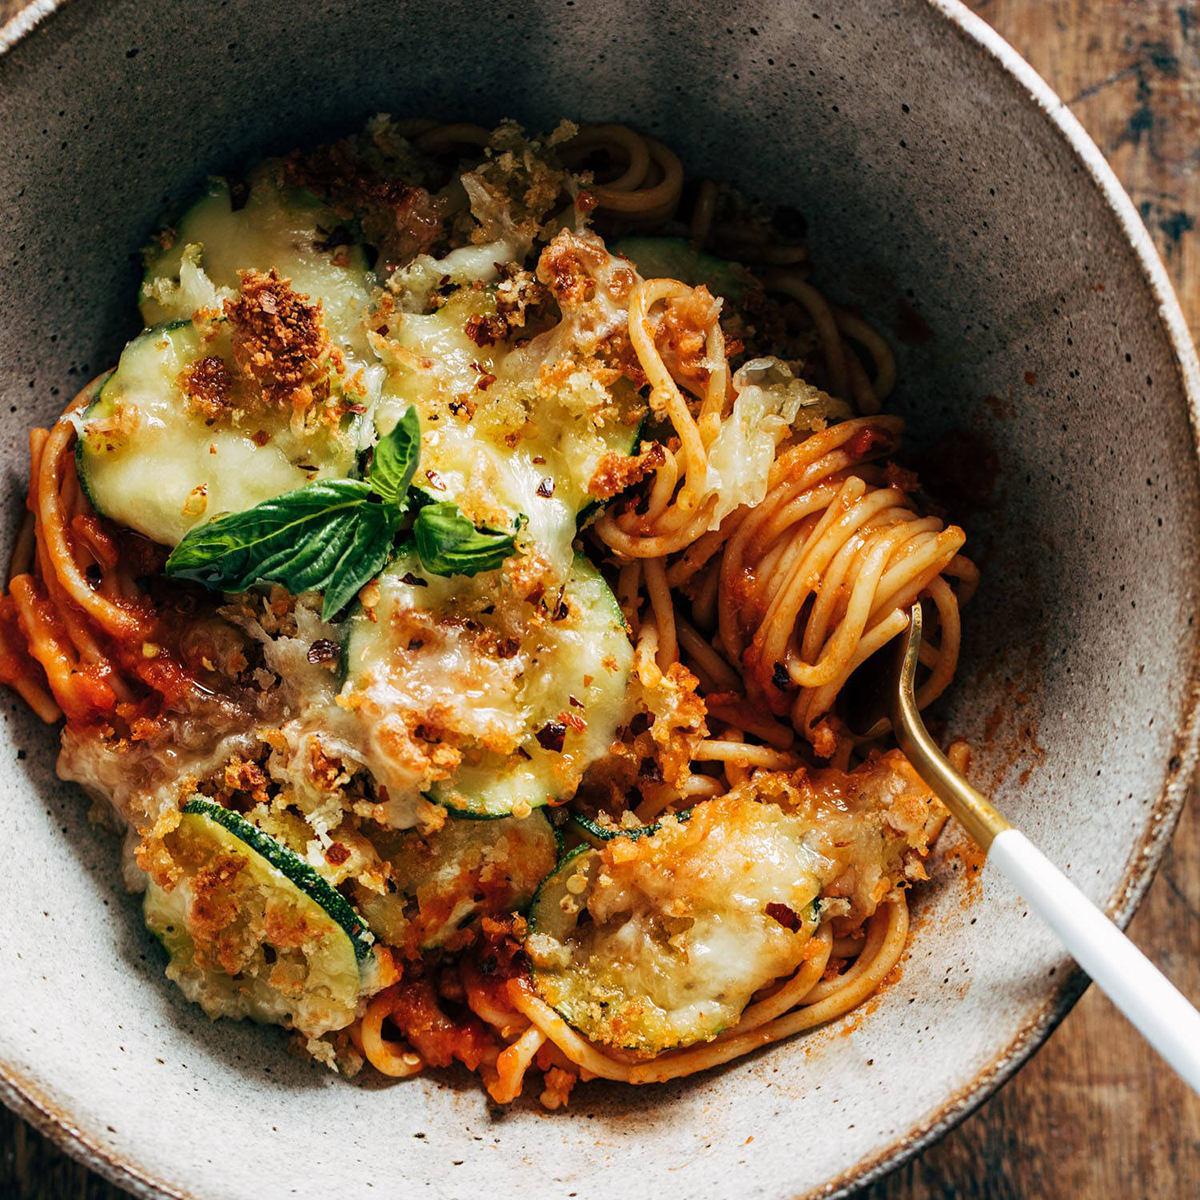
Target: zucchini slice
x,y
252,930
500,447
279,226
149,458
482,701
445,879
658,942
674,258
596,833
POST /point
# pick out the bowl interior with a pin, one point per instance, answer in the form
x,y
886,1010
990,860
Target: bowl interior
x,y
945,204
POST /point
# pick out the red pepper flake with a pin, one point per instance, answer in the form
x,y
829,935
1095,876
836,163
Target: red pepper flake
x,y
545,489
1030,378
323,651
507,647
260,438
573,721
484,382
585,202
413,580
485,330
551,736
780,678
357,409
539,460
650,770
435,480
640,723
561,610
784,915
337,854
574,703
523,752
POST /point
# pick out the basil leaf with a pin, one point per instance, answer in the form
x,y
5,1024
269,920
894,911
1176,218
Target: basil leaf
x,y
366,556
331,536
395,459
450,545
327,536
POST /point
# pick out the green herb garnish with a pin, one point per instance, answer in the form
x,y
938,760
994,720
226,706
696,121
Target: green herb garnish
x,y
335,535
449,544
394,460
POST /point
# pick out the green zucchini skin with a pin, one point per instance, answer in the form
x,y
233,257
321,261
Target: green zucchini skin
x,y
537,904
597,834
458,814
251,930
85,410
594,507
295,869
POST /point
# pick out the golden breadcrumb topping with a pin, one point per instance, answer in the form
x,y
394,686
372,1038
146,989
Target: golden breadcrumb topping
x,y
280,342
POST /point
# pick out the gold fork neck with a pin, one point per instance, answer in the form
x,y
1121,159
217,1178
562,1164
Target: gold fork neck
x,y
970,807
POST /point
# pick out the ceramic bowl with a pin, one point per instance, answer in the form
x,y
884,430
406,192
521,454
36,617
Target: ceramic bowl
x,y
952,197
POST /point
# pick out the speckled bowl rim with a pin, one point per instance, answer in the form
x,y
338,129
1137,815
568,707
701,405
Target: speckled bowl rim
x,y
26,1098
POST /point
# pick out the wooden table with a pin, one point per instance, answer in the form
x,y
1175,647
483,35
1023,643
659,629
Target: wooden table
x,y
1095,1114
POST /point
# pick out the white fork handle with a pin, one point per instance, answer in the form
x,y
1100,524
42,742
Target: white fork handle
x,y
1130,980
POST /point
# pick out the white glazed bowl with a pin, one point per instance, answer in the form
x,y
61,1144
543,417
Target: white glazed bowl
x,y
937,171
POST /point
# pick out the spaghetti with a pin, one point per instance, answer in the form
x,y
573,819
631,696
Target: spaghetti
x,y
751,595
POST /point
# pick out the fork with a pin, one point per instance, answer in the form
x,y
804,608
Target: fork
x,y
1131,981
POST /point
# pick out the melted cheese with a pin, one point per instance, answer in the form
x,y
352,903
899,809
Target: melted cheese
x,y
679,937
165,467
480,699
512,429
279,226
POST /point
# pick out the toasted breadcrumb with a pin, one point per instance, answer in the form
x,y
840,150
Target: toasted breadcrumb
x,y
281,344
207,387
616,472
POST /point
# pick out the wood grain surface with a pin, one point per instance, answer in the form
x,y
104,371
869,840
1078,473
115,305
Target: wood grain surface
x,y
1094,1114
